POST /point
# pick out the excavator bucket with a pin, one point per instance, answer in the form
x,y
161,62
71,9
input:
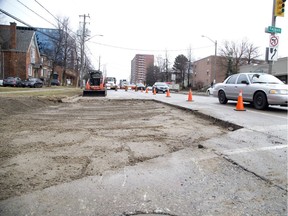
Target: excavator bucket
x,y
94,93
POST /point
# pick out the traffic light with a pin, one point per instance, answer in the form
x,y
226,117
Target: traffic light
x,y
279,8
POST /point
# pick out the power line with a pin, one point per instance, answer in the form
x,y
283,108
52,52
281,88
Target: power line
x,y
102,44
147,50
47,10
15,18
36,13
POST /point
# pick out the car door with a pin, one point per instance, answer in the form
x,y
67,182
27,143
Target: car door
x,y
229,87
242,83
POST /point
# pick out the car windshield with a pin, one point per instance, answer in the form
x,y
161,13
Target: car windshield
x,y
264,78
161,84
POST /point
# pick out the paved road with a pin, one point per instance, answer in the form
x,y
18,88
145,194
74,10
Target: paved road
x,y
260,146
241,173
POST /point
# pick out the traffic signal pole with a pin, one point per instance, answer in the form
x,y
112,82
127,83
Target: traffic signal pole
x,y
273,23
277,11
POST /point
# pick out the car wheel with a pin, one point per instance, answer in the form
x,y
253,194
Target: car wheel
x,y
260,100
222,97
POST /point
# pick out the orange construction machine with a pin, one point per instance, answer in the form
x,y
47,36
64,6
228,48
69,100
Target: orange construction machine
x,y
95,85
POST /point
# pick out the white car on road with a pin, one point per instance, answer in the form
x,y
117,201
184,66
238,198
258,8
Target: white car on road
x,y
260,89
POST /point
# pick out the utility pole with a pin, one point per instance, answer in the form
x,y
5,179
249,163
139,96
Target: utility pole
x,y
215,56
189,67
166,67
83,35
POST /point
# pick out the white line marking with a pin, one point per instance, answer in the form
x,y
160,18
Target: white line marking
x,y
125,178
145,196
246,150
268,114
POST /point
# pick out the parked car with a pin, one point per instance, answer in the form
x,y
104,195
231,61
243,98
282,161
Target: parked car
x,y
210,90
260,89
149,88
32,83
12,81
160,87
140,86
55,82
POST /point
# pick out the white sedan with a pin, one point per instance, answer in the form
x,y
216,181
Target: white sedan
x,y
261,89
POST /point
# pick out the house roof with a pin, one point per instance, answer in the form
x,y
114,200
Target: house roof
x,y
23,38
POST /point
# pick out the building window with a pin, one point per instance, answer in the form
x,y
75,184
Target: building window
x,y
32,55
30,70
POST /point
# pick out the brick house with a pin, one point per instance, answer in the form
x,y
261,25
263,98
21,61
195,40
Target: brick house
x,y
206,70
20,54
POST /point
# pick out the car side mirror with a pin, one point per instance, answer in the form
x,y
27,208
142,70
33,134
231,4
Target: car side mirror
x,y
244,82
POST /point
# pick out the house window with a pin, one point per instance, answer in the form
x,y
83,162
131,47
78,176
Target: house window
x,y
30,70
32,55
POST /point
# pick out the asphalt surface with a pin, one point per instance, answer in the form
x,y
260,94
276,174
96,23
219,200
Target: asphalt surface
x,y
241,173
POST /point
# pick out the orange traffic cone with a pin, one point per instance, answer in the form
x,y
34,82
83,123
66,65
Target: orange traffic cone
x,y
146,90
167,93
154,91
87,86
240,105
190,95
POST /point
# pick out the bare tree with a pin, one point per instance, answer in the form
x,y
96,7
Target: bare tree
x,y
252,53
237,54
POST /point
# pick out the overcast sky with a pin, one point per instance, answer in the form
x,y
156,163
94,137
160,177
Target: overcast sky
x,y
131,27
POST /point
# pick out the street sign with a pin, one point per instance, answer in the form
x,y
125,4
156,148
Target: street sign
x,y
273,53
274,40
273,29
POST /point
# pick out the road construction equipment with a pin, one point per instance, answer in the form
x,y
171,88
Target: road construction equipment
x,y
95,85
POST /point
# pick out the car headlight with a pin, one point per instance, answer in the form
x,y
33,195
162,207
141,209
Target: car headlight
x,y
279,91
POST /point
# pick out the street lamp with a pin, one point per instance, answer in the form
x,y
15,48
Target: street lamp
x,y
215,55
99,35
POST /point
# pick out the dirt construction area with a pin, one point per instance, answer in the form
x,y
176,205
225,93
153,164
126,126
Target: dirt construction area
x,y
48,141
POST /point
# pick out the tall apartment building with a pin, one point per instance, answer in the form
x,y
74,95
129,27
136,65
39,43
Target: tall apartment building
x,y
139,65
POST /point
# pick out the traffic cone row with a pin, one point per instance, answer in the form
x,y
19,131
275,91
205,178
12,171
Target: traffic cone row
x,y
239,105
